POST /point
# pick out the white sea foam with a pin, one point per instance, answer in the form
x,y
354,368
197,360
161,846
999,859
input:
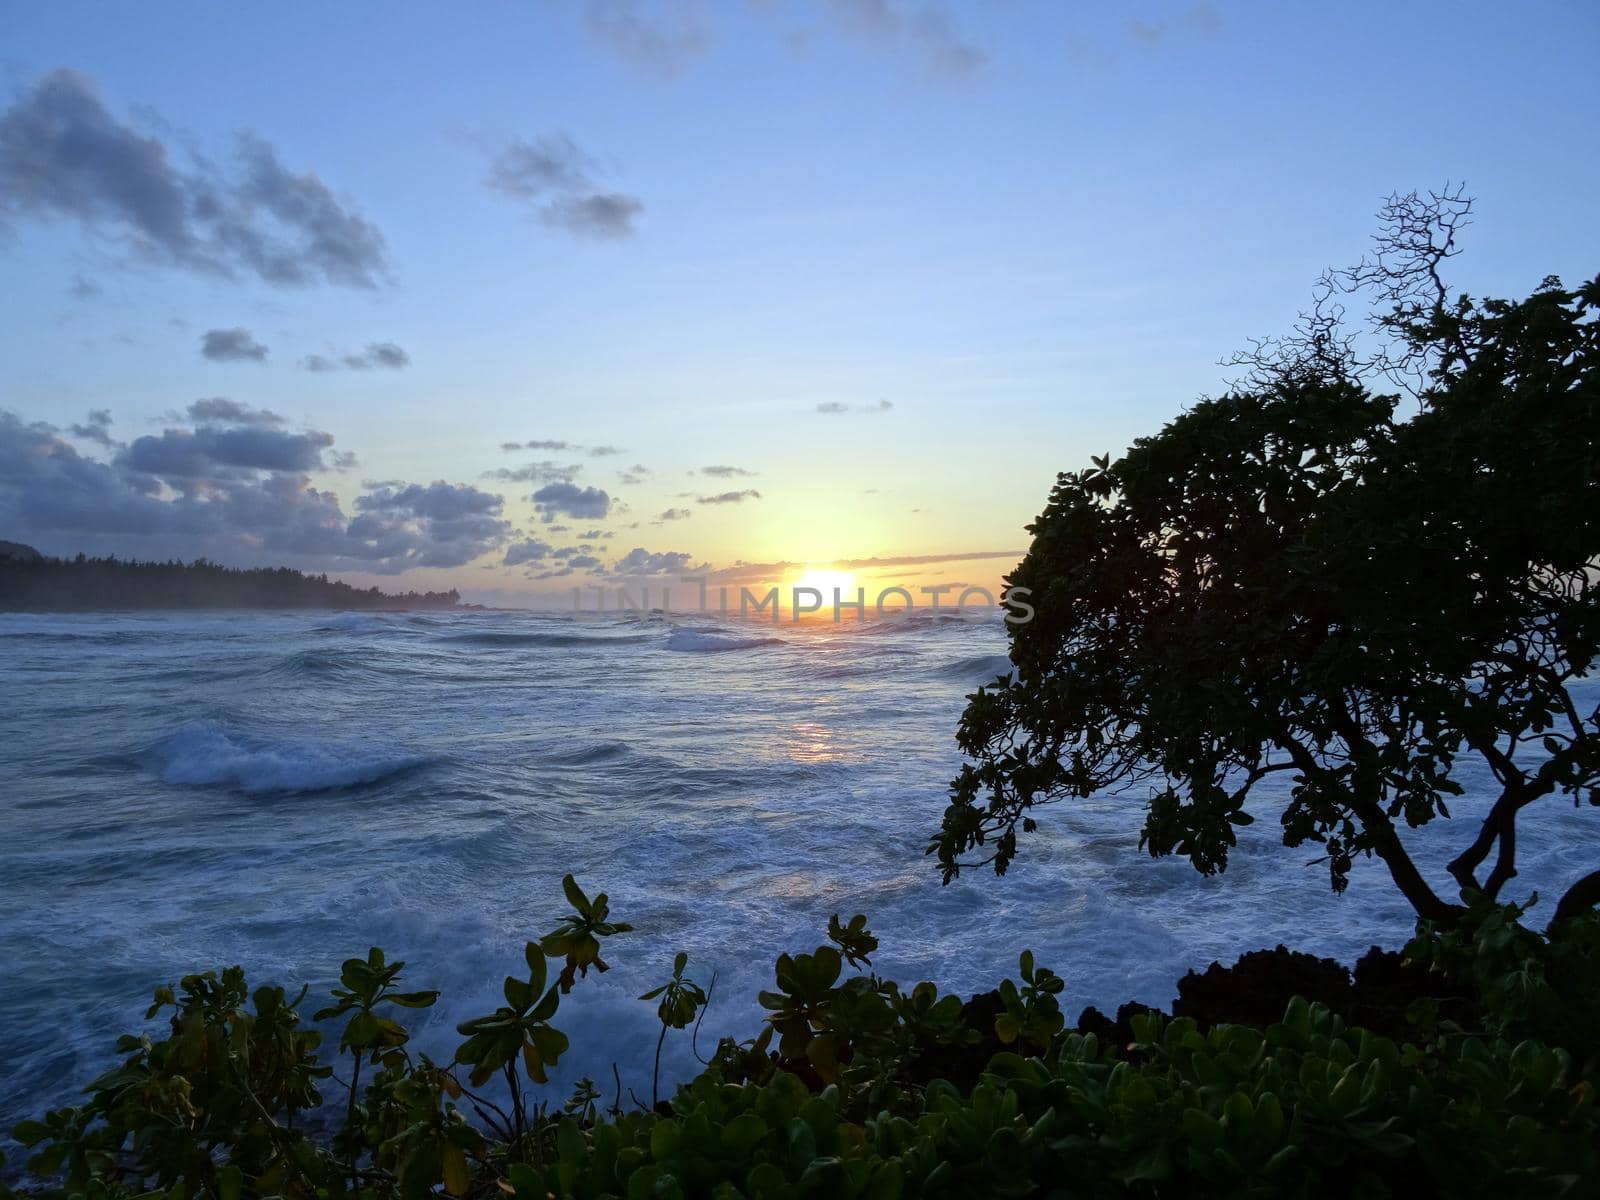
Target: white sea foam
x,y
699,641
204,752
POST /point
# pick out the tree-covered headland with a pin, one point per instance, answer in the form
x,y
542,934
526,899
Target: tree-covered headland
x,y
32,582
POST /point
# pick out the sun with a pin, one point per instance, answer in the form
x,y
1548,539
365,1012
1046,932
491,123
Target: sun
x,y
825,581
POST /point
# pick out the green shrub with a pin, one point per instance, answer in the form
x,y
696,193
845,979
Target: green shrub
x,y
855,1087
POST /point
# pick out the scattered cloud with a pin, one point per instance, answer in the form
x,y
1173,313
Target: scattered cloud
x,y
65,156
1201,20
634,475
604,451
674,514
552,176
662,38
926,30
775,570
214,410
377,354
525,551
730,497
235,488
231,345
96,427
568,499
545,471
640,561
725,472
594,535
835,407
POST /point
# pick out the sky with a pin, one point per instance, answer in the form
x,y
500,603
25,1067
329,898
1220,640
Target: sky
x,y
514,296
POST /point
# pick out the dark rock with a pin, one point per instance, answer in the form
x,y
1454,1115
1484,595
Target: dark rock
x,y
1257,988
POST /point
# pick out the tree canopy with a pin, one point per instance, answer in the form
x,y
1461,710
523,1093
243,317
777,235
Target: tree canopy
x,y
1372,557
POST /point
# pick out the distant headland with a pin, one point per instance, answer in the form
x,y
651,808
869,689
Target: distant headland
x,y
33,582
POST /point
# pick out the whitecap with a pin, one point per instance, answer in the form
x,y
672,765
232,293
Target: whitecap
x,y
205,753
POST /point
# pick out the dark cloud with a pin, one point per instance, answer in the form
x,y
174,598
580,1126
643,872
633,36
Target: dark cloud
x,y
583,562
662,38
527,550
725,472
730,497
594,535
836,407
552,176
221,410
640,561
95,428
377,354
545,471
606,215
211,452
233,491
674,514
927,30
568,499
63,155
231,345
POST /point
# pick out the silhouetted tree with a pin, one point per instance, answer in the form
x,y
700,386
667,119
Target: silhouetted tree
x,y
1294,578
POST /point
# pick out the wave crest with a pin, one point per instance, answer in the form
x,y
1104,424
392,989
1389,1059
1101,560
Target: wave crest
x,y
204,753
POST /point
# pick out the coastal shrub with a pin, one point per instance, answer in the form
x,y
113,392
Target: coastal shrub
x,y
1369,562
855,1087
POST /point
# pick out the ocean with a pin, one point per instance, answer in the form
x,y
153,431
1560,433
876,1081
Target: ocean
x,y
283,790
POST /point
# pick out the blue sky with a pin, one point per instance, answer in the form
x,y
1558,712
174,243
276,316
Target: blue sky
x,y
1030,229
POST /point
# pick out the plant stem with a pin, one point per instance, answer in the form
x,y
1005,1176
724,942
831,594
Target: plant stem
x,y
655,1079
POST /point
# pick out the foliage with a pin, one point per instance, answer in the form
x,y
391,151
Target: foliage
x,y
1298,580
1305,1106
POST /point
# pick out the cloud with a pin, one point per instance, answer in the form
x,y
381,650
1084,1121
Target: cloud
x,y
234,491
552,176
661,38
725,472
608,215
221,410
640,561
1201,20
730,497
527,550
772,570
835,407
64,156
545,471
583,562
231,345
96,427
603,451
568,499
594,535
926,30
634,475
377,354
674,514
211,452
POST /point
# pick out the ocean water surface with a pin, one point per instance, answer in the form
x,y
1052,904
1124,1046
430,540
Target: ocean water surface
x,y
282,791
